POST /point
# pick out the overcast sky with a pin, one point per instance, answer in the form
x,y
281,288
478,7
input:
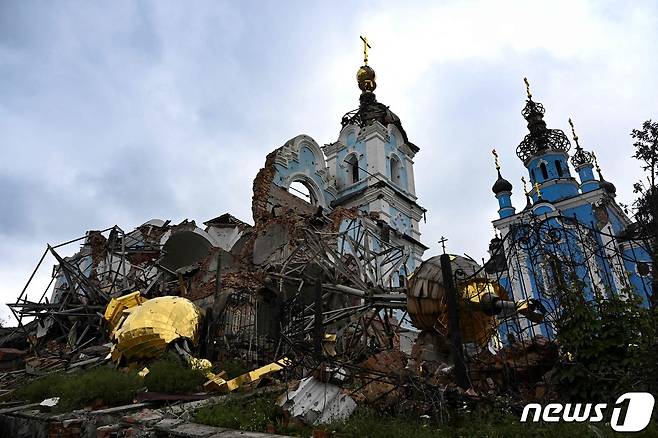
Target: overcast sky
x,y
119,112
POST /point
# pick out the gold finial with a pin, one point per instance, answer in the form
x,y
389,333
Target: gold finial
x,y
365,76
527,88
573,133
495,154
366,46
537,190
525,187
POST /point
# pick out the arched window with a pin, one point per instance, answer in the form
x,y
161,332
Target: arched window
x,y
558,167
352,169
544,171
532,176
302,191
395,170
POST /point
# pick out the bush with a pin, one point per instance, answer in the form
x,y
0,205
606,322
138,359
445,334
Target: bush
x,y
104,385
609,346
169,375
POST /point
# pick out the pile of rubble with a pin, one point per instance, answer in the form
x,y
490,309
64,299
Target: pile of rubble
x,y
310,297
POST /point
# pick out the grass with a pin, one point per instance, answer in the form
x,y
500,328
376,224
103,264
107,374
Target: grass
x,y
170,376
257,413
250,415
107,386
104,386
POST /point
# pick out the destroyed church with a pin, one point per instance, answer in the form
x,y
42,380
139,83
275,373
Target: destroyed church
x,y
332,269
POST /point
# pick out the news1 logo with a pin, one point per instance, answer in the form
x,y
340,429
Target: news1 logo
x,y
630,413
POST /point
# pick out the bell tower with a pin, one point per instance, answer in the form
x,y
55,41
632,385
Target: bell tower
x,y
372,164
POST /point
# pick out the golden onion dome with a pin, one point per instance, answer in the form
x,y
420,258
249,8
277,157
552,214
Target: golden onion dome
x,y
365,77
148,326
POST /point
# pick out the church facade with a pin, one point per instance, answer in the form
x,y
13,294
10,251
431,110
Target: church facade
x,y
369,168
570,233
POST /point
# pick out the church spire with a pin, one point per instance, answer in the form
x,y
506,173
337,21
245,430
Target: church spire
x,y
501,185
581,157
606,185
540,139
369,109
528,200
503,191
365,76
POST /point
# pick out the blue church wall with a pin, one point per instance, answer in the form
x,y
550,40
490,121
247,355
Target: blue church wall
x,y
301,159
615,221
550,160
343,175
399,221
392,152
545,168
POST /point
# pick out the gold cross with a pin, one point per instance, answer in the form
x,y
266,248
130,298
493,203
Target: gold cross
x,y
495,154
537,190
366,46
527,88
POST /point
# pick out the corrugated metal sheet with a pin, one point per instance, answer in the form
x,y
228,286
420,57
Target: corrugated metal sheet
x,y
316,402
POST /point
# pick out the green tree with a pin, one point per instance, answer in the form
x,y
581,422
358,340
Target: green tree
x,y
645,208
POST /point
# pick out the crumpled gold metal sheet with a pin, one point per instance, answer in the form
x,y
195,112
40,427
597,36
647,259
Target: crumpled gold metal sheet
x,y
150,326
114,310
476,326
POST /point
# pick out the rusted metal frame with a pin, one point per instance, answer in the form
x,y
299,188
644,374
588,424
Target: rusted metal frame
x,y
304,315
362,251
368,320
29,280
341,266
325,264
52,279
71,270
395,266
358,266
344,313
391,254
357,323
289,259
59,245
363,255
69,280
387,326
123,256
399,324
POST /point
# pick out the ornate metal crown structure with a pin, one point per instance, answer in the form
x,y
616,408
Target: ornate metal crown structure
x,y
581,157
540,138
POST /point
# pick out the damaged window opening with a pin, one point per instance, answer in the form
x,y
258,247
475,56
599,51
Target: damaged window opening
x,y
303,191
352,169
